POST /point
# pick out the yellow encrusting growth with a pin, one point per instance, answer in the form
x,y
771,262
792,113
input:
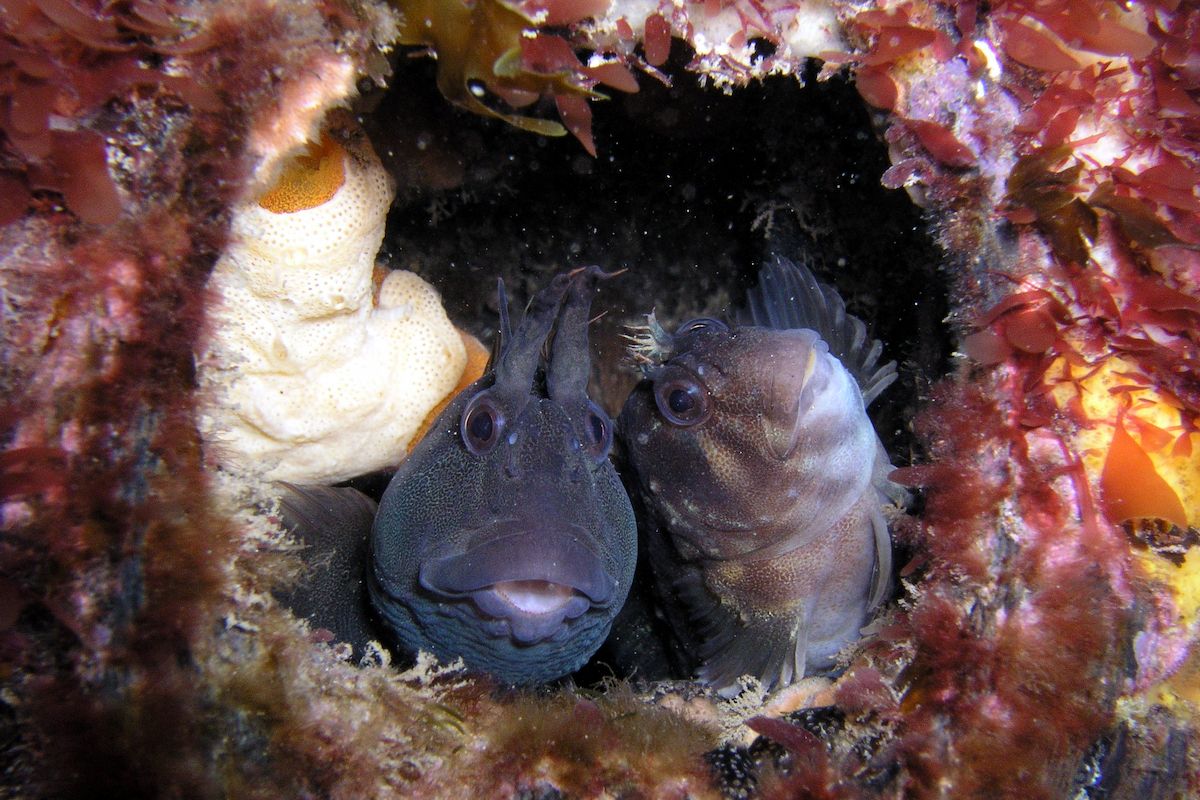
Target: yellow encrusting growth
x,y
1106,395
309,180
1144,458
1183,583
1141,455
307,376
1184,580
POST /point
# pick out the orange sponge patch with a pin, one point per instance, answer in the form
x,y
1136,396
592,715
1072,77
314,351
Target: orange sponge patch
x,y
309,180
478,357
1132,487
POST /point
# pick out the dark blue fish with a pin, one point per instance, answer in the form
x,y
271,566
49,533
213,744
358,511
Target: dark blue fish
x,y
765,480
506,537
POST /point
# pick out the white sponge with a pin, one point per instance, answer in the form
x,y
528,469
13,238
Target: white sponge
x,y
304,377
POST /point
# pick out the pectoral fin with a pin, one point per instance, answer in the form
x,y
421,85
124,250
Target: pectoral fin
x,y
332,525
881,579
731,643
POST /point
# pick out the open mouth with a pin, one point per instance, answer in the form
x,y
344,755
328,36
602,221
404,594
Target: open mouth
x,y
533,581
534,597
534,610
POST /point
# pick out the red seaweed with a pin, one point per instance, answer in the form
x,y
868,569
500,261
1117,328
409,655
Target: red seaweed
x,y
657,40
1036,49
1019,627
877,87
1132,488
941,143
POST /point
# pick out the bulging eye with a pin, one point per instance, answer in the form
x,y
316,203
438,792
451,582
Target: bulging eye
x,y
683,400
599,432
481,424
701,324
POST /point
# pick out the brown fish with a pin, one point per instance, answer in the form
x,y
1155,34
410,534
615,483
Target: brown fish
x,y
765,479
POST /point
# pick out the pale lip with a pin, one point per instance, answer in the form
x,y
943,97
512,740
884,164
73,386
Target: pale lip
x,y
534,610
534,597
533,580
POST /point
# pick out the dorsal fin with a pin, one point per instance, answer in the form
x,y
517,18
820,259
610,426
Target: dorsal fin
x,y
789,296
503,331
517,354
569,365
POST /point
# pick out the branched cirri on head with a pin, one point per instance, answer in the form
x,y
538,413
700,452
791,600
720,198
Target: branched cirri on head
x,y
505,537
765,479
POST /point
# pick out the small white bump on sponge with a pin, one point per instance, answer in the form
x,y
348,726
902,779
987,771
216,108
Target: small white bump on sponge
x,y
304,377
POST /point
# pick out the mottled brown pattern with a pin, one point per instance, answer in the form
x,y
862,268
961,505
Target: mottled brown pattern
x,y
765,524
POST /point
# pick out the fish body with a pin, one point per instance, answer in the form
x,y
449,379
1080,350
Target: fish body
x,y
764,479
505,537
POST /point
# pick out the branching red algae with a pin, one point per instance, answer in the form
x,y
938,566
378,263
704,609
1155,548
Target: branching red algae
x,y
495,46
99,362
59,66
1050,620
1006,606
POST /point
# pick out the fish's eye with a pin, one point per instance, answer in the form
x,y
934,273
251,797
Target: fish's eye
x,y
682,400
481,424
701,324
599,430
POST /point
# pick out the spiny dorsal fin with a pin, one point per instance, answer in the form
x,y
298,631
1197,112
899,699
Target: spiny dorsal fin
x,y
789,296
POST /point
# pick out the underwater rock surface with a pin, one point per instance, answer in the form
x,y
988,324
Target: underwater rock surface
x,y
1043,642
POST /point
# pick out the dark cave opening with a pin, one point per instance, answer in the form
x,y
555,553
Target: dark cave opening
x,y
692,190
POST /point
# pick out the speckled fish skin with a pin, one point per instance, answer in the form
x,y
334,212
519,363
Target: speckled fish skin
x,y
506,537
765,480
